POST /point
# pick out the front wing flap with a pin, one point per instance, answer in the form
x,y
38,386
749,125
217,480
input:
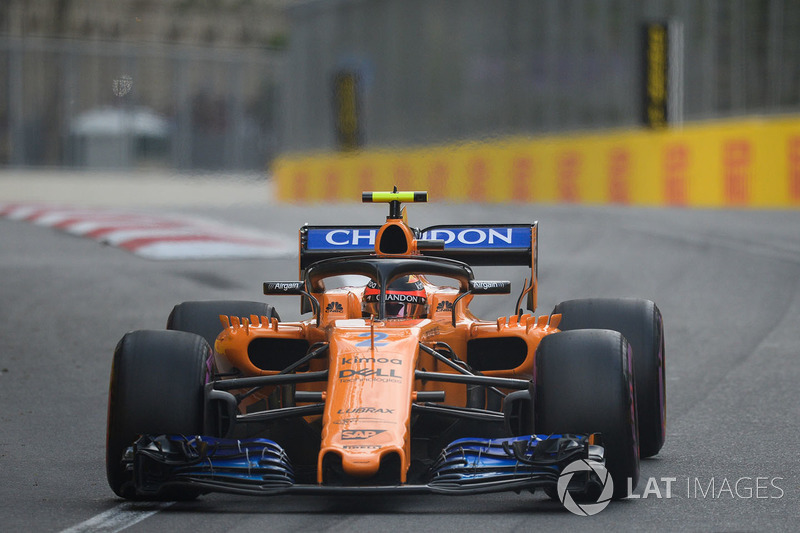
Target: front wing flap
x,y
262,467
221,464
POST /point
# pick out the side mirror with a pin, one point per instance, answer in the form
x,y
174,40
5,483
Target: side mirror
x,y
489,287
289,288
482,287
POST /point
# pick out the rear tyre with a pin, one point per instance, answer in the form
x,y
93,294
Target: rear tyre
x,y
583,383
202,318
156,387
640,323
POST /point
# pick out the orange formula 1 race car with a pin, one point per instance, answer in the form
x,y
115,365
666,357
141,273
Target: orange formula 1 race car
x,y
392,384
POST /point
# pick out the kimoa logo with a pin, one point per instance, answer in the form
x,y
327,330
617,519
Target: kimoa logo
x,y
358,360
585,508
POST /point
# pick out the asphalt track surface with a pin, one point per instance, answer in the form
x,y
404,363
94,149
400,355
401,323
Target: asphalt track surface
x,y
727,283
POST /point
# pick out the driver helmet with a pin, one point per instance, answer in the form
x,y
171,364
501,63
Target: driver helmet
x,y
405,298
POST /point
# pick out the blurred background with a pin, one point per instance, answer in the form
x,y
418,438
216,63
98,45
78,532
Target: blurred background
x,y
231,85
178,84
445,69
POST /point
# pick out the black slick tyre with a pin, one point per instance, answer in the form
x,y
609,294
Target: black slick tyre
x,y
202,317
641,324
583,384
156,387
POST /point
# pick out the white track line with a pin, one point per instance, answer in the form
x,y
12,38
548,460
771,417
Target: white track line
x,y
118,518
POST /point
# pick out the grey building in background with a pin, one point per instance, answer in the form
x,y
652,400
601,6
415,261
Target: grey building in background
x,y
448,70
228,84
182,84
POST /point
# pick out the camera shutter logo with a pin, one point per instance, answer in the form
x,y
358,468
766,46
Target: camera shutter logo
x,y
585,508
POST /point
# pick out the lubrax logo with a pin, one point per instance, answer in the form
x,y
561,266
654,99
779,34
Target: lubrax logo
x,y
334,307
360,434
353,410
358,360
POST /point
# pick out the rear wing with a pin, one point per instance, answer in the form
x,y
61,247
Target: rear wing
x,y
476,245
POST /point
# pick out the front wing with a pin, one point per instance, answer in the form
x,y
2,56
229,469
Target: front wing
x,y
262,467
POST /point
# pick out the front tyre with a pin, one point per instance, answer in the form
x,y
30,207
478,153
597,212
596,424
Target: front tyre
x,y
583,384
156,387
640,323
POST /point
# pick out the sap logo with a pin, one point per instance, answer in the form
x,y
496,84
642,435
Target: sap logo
x,y
365,410
367,372
334,307
360,434
444,306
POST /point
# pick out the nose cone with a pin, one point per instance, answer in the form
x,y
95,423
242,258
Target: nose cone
x,y
368,407
372,462
360,451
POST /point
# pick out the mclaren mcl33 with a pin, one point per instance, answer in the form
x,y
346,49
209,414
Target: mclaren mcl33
x,y
391,384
